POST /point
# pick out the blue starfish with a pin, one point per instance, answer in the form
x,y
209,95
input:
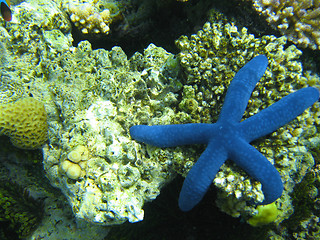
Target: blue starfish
x,y
229,138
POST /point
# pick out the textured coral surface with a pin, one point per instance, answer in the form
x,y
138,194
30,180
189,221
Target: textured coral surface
x,y
210,59
299,20
92,17
25,122
106,175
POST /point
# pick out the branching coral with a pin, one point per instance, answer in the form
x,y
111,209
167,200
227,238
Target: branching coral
x,y
92,17
299,20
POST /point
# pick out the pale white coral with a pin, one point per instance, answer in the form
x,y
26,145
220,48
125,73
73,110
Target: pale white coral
x,y
299,20
89,18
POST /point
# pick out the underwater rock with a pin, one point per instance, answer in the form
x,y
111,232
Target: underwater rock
x,y
99,94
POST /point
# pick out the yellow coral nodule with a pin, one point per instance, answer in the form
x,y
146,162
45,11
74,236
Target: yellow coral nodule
x,y
74,156
25,122
72,170
91,20
266,214
80,153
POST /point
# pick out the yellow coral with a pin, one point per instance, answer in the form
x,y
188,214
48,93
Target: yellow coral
x,y
78,154
25,122
93,17
266,214
75,163
71,169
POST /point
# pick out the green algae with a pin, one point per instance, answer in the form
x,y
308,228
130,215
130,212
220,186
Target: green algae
x,y
302,201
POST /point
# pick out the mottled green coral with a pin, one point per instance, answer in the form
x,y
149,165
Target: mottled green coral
x,y
17,207
302,201
29,41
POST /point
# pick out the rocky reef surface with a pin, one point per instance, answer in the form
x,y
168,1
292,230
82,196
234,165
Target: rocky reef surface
x,y
107,176
92,98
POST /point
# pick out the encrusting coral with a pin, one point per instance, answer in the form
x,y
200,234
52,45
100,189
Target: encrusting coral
x,y
25,122
266,214
298,20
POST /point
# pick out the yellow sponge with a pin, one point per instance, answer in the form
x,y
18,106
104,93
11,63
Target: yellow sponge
x,y
25,122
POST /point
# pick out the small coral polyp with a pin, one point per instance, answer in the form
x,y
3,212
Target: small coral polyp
x,y
25,122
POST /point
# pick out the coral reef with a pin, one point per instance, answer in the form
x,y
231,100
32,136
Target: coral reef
x,y
298,20
25,122
209,60
43,210
82,91
228,138
304,223
93,97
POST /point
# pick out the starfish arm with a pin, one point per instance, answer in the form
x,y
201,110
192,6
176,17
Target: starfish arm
x,y
258,167
201,175
172,135
279,113
241,87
